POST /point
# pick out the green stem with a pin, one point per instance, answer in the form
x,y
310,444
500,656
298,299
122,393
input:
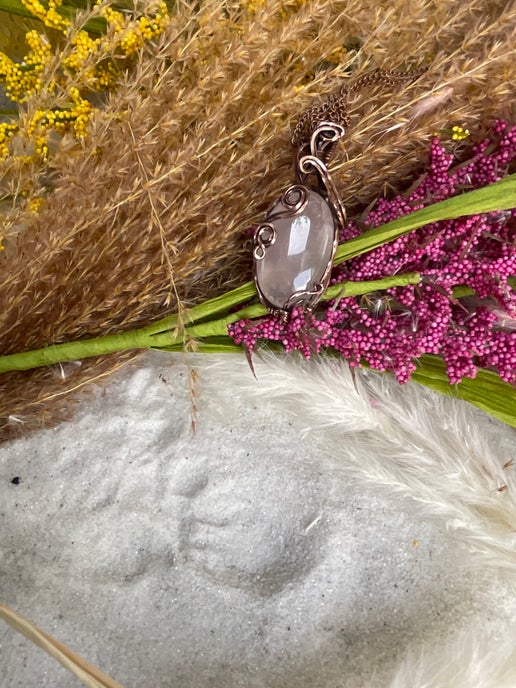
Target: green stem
x,y
360,288
72,351
218,327
219,304
167,333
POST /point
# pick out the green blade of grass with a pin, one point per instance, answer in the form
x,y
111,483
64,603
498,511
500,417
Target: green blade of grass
x,y
487,391
168,332
498,196
207,347
218,326
219,304
72,351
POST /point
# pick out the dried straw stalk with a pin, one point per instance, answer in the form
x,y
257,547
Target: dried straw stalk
x,y
152,211
87,673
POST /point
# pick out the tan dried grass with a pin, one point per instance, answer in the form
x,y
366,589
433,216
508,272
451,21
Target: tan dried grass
x,y
87,673
153,208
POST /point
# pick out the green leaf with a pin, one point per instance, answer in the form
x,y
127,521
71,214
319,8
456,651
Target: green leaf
x,y
487,391
498,196
208,347
360,288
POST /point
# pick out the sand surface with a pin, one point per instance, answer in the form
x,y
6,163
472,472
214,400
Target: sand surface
x,y
232,556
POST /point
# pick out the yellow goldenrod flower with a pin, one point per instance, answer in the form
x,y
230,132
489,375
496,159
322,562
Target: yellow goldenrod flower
x,y
115,20
48,15
84,49
83,65
41,147
106,76
128,34
252,6
7,129
22,79
80,113
459,134
130,41
35,204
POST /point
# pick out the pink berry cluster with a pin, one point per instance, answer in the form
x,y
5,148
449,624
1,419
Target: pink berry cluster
x,y
390,330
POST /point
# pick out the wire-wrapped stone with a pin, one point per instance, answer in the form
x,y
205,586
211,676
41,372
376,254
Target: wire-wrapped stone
x,y
293,250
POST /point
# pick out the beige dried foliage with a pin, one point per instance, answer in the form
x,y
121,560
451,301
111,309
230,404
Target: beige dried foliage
x,y
152,210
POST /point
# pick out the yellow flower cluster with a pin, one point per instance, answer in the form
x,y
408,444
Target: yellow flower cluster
x,y
74,118
85,64
7,129
55,78
106,75
113,18
252,6
130,35
459,134
35,204
124,36
84,48
48,15
23,79
80,112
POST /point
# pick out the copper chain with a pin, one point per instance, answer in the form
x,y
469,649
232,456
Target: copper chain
x,y
334,108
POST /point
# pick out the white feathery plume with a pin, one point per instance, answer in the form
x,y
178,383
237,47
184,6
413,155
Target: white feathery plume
x,y
473,659
448,460
443,457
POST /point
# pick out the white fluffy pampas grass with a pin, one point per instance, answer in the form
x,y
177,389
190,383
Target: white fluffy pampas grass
x,y
439,456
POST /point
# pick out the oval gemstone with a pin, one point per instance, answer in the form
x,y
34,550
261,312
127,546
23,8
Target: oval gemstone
x,y
296,255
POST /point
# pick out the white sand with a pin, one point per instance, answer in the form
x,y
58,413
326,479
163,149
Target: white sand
x,y
235,556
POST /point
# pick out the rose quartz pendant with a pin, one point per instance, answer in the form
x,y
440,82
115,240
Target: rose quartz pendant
x,y
294,249
294,246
